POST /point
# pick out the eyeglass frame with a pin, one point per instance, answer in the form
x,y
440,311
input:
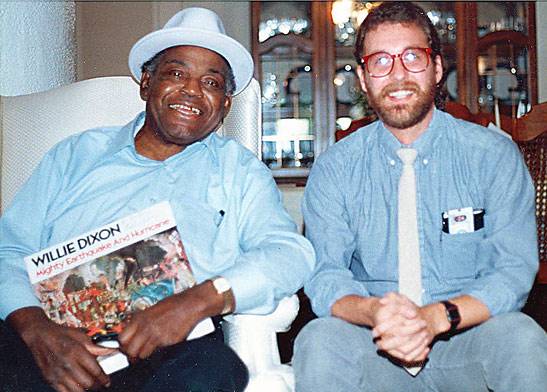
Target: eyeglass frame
x,y
364,60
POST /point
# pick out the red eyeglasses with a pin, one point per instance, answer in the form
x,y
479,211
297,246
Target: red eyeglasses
x,y
380,64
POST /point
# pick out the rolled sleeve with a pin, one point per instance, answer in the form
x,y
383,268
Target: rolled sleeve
x,y
327,227
508,254
275,260
20,235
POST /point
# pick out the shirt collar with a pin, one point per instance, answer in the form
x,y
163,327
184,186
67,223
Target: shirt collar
x,y
126,136
126,139
424,144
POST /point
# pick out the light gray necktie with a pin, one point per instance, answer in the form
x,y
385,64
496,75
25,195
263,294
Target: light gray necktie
x,y
410,272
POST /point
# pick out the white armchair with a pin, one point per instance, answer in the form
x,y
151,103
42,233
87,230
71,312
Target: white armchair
x,y
31,124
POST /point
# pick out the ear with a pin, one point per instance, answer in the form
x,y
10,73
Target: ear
x,y
438,69
362,77
145,85
227,105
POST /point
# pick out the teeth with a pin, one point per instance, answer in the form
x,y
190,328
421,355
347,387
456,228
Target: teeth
x,y
400,94
184,107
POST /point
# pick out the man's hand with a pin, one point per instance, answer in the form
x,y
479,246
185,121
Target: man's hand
x,y
402,329
169,321
65,356
399,327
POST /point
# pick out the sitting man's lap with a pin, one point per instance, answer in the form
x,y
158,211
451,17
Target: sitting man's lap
x,y
502,354
204,364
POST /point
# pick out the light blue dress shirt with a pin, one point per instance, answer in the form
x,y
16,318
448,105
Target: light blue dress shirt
x,y
96,177
350,212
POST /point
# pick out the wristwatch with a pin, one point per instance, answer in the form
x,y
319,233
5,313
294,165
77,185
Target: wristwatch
x,y
453,315
222,286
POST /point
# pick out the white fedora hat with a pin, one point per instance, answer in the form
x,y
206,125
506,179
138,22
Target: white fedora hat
x,y
197,27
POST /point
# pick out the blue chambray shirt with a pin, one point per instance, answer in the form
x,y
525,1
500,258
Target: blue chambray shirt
x,y
96,177
350,212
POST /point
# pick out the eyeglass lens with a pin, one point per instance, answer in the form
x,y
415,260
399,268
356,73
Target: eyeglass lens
x,y
381,63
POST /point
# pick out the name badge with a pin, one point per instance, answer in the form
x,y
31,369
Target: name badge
x,y
463,220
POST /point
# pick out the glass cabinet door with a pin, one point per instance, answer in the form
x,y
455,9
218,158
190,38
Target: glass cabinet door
x,y
285,69
351,102
503,57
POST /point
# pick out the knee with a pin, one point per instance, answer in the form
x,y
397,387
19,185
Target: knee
x,y
221,371
516,349
327,338
204,365
318,334
520,334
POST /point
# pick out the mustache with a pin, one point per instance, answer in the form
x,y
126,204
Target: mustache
x,y
399,86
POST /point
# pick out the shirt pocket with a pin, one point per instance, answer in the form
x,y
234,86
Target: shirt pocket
x,y
459,254
199,225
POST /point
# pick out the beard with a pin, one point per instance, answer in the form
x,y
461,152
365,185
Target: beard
x,y
404,115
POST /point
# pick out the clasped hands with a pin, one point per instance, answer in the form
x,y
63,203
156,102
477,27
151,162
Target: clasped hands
x,y
402,329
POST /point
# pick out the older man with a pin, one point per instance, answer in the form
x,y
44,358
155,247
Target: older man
x,y
424,230
243,247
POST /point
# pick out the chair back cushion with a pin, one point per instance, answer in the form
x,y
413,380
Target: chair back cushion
x,y
30,125
244,121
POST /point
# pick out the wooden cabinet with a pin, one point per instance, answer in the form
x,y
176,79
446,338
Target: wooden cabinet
x,y
496,55
293,50
304,62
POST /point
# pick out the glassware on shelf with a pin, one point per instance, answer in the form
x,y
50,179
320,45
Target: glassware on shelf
x,y
445,24
347,16
276,26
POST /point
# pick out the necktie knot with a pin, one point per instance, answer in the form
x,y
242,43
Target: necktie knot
x,y
407,155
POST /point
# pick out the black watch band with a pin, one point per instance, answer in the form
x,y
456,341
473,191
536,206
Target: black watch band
x,y
453,315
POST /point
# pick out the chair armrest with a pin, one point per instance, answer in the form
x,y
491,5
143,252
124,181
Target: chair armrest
x,y
254,339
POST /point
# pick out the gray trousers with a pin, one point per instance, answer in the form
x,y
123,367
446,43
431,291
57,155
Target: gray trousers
x,y
506,353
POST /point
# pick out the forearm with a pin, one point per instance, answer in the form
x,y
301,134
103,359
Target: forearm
x,y
356,309
472,312
26,319
270,270
16,292
208,302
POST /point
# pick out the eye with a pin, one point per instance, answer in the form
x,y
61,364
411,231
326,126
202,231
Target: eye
x,y
213,83
175,72
410,56
383,60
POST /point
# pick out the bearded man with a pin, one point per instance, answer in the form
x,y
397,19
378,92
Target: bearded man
x,y
424,231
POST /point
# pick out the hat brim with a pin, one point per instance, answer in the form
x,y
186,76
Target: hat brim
x,y
235,54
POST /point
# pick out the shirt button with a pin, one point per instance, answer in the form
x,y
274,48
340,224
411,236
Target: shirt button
x,y
392,162
426,161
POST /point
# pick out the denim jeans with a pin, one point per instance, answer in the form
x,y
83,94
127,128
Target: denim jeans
x,y
506,353
205,365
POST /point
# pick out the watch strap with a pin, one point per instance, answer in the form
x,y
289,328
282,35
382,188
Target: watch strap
x,y
222,286
453,315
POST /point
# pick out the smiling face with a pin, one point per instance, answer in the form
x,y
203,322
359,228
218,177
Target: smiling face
x,y
402,99
186,100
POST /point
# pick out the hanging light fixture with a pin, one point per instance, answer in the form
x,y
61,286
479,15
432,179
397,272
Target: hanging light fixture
x,y
347,15
341,11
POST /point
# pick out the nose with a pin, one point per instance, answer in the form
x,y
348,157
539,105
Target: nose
x,y
398,72
191,86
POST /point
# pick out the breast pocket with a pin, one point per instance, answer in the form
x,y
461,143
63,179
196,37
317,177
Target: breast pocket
x,y
200,225
459,254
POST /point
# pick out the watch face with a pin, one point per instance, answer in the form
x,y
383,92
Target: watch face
x,y
221,284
